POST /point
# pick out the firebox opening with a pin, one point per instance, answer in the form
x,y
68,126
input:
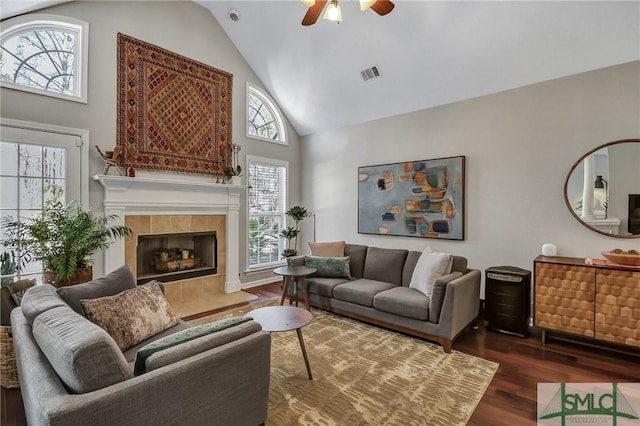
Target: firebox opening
x,y
176,256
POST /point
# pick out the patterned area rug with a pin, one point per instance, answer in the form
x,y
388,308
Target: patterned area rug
x,y
174,113
365,375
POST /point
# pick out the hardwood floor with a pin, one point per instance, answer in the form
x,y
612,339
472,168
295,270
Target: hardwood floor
x,y
511,396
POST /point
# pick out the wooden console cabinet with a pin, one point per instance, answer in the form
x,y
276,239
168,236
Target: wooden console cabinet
x,y
598,301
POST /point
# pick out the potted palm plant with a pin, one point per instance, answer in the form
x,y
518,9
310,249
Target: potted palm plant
x,y
63,238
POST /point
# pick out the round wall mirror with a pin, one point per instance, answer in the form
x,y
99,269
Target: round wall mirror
x,y
602,190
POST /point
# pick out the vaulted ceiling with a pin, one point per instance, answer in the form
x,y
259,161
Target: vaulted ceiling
x,y
428,53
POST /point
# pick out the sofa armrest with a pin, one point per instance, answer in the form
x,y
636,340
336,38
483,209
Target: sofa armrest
x,y
461,303
225,385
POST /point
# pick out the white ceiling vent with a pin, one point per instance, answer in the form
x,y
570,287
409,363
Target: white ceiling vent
x,y
370,73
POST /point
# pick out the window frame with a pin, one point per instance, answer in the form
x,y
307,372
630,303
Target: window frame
x,y
75,141
27,23
279,117
284,200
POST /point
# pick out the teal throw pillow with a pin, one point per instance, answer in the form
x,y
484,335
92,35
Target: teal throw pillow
x,y
329,267
182,337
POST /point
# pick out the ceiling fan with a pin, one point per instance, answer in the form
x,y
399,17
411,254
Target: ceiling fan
x,y
333,12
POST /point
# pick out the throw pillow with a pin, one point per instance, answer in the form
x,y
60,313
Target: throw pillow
x,y
329,267
133,315
183,337
113,283
19,288
430,266
330,249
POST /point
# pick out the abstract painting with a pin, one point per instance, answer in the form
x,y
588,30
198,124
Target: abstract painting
x,y
422,198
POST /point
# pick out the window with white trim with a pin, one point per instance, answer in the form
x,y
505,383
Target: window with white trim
x,y
45,54
36,168
264,120
267,201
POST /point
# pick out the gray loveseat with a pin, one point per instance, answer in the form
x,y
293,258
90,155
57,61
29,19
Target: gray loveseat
x,y
379,293
72,373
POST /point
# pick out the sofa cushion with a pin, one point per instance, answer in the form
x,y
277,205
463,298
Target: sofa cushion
x,y
83,355
360,291
130,354
40,299
409,265
403,301
357,253
384,264
431,266
437,297
113,283
191,341
323,286
329,249
133,315
329,267
459,264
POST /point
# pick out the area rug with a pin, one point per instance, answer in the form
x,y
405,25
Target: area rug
x,y
174,113
366,375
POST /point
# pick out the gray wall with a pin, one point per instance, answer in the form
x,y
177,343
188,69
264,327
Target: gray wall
x,y
519,146
183,27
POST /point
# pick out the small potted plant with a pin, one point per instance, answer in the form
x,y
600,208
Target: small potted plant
x,y
296,213
234,172
63,238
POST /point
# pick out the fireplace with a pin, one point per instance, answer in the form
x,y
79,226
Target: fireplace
x,y
161,206
176,256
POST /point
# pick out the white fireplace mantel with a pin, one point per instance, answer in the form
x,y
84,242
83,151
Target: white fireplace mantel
x,y
140,195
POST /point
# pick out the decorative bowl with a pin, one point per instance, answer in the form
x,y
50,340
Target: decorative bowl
x,y
623,259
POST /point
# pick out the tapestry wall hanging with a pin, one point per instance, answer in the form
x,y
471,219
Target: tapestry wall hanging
x,y
174,113
416,199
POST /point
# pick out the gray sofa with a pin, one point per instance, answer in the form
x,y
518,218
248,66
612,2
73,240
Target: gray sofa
x,y
71,374
379,293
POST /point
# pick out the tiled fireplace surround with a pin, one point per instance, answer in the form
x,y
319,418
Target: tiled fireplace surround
x,y
163,206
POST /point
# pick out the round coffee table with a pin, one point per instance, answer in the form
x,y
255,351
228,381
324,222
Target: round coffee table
x,y
284,318
297,272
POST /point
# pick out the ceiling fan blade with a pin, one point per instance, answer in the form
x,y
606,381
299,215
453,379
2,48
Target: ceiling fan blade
x,y
382,7
314,12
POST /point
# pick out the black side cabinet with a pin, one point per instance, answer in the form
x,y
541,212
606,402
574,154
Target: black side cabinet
x,y
507,297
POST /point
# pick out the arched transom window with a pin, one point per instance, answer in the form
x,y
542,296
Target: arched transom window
x,y
45,54
264,120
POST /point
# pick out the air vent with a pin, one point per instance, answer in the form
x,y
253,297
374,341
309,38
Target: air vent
x,y
370,73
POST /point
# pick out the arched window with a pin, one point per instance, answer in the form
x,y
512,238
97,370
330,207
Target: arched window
x,y
264,120
45,54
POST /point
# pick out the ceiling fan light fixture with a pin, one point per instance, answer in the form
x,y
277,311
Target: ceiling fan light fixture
x,y
308,3
366,4
333,12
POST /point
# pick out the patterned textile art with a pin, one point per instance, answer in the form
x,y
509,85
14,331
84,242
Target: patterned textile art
x,y
174,114
366,375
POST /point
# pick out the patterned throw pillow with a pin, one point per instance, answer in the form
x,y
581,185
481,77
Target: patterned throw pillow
x,y
19,288
329,267
133,315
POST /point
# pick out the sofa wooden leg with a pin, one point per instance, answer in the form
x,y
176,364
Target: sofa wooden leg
x,y
446,345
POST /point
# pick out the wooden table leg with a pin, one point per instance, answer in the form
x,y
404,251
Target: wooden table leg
x,y
304,353
303,284
287,282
